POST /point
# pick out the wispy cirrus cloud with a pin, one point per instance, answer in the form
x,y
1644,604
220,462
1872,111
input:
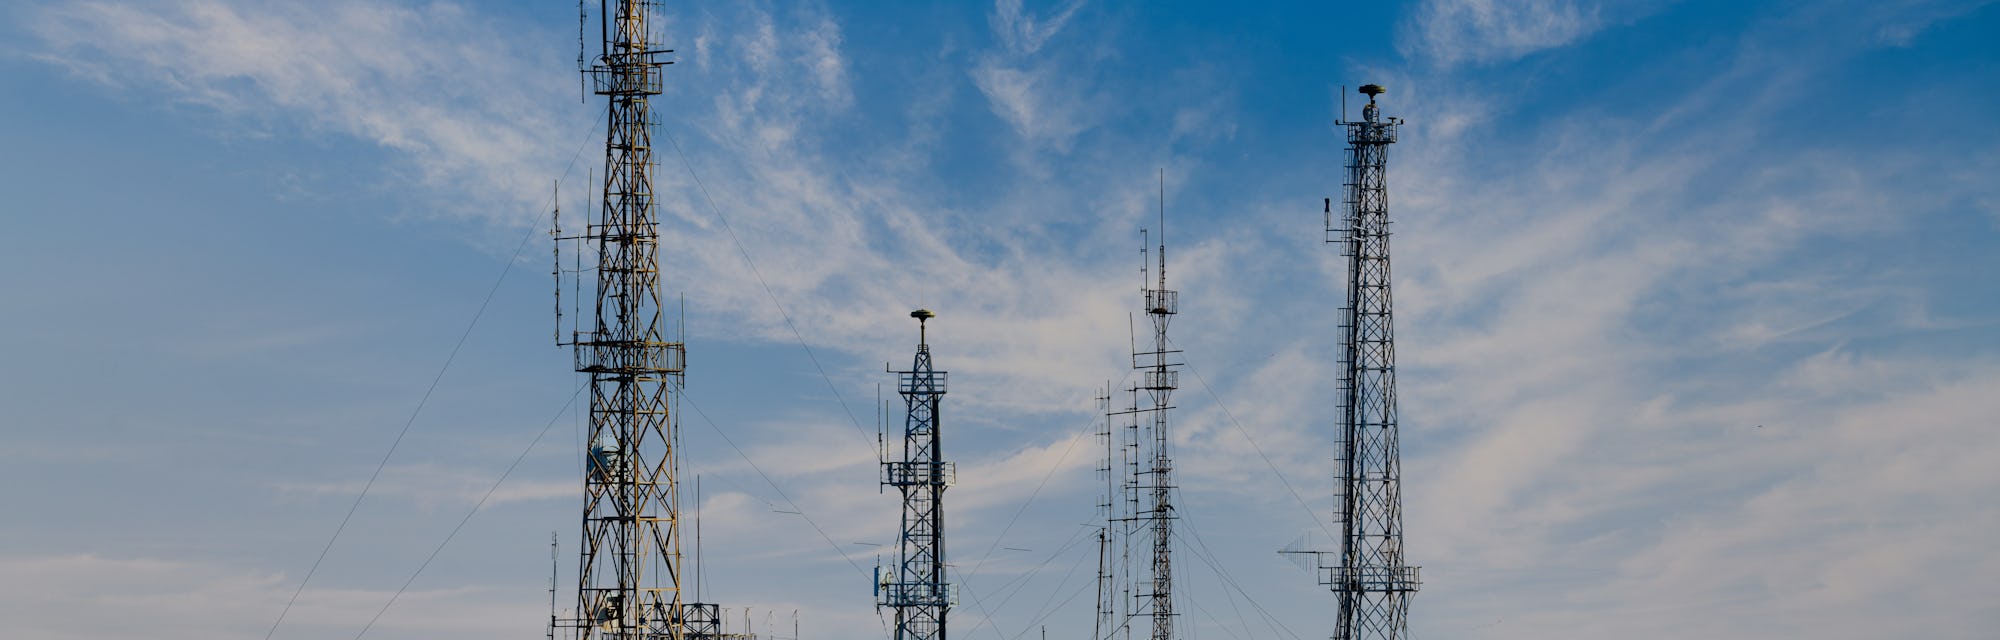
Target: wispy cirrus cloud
x,y
1025,33
436,83
1041,94
1451,32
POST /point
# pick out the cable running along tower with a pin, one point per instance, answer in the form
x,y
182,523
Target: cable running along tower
x,y
915,586
1370,582
629,581
1148,511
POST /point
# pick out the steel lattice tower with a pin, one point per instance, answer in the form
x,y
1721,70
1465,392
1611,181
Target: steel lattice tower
x,y
629,575
1149,485
915,587
1367,574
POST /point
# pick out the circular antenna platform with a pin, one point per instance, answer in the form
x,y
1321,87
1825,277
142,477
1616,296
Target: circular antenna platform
x,y
1372,90
922,314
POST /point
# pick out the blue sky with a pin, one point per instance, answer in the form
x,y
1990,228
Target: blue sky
x,y
1695,301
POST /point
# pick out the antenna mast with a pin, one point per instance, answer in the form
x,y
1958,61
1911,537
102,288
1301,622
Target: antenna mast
x,y
1160,381
915,586
1107,621
1369,579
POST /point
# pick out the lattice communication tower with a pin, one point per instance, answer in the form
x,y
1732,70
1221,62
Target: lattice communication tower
x,y
1370,582
629,581
915,587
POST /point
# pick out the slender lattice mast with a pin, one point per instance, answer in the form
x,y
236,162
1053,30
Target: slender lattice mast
x,y
1160,381
1370,581
915,587
629,575
1149,509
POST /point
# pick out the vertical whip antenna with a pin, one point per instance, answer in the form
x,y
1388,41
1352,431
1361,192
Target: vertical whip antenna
x,y
555,270
554,556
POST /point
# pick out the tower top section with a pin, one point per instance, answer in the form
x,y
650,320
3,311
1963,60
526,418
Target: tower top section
x,y
1373,127
922,316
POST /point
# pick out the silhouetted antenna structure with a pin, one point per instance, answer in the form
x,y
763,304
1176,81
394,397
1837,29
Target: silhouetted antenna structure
x,y
914,587
1370,582
1107,620
629,582
1147,456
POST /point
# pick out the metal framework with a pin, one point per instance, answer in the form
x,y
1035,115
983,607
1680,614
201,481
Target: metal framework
x,y
629,575
1108,622
915,587
1371,584
1148,509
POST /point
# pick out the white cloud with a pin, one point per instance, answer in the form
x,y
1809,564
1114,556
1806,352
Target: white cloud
x,y
1020,97
1047,96
437,83
1448,32
168,599
1832,510
1024,33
